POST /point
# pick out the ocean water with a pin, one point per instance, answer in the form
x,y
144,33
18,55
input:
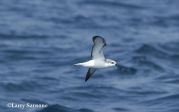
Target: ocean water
x,y
40,40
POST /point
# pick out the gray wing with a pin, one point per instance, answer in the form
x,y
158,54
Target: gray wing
x,y
90,73
97,49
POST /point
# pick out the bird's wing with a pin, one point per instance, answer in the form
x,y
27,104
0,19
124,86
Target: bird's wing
x,y
90,73
97,49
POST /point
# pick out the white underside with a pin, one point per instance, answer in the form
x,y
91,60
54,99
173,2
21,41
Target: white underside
x,y
93,64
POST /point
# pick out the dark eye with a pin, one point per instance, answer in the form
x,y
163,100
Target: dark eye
x,y
112,62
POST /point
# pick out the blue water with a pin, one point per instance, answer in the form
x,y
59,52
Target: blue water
x,y
40,40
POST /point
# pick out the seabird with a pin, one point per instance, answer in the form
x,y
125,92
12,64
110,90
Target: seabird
x,y
98,60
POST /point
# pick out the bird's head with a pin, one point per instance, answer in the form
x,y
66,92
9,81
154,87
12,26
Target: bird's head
x,y
110,62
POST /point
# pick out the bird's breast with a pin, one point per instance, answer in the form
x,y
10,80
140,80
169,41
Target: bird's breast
x,y
99,64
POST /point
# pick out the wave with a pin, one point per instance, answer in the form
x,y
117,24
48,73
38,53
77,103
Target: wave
x,y
61,108
151,50
112,4
23,86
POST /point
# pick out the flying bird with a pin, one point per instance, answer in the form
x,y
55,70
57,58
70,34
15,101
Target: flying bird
x,y
98,59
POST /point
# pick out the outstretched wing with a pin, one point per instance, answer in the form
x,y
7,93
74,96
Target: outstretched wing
x,y
90,73
97,49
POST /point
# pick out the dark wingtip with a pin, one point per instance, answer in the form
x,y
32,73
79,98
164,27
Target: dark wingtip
x,y
86,79
89,73
94,37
